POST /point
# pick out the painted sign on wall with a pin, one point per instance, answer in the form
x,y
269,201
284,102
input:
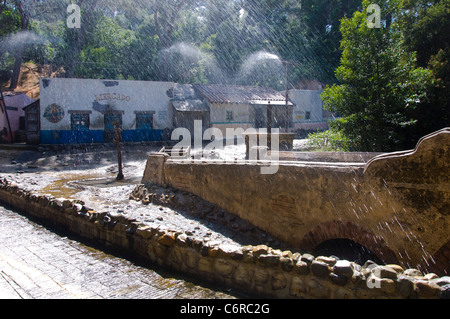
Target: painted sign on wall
x,y
54,113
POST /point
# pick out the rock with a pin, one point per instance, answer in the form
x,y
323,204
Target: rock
x,y
181,239
320,269
405,285
445,292
213,252
385,284
430,276
287,264
260,276
167,239
388,285
223,267
144,232
442,281
427,289
307,258
197,243
269,260
242,276
338,279
66,204
385,272
301,268
358,278
230,251
343,268
397,268
370,264
247,254
330,261
205,265
259,250
413,272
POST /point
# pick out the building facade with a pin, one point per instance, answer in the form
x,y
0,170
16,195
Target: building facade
x,y
309,114
77,111
12,117
233,106
81,111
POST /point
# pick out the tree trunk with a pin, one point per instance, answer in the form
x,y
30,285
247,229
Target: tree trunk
x,y
19,54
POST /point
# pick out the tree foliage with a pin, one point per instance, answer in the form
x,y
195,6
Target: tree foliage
x,y
390,86
225,34
380,85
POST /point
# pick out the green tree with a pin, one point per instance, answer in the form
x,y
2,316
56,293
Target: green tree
x,y
10,22
426,28
380,83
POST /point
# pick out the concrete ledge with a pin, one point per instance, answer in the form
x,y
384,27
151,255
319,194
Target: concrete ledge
x,y
258,269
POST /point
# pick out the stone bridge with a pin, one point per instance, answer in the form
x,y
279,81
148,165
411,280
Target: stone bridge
x,y
396,205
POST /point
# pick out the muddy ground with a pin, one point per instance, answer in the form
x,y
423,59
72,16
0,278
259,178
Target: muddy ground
x,y
87,174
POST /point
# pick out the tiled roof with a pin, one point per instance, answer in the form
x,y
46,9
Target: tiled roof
x,y
218,93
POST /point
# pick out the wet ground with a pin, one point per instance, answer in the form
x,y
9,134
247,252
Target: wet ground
x,y
89,175
46,265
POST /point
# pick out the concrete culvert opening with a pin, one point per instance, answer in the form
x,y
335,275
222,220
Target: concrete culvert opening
x,y
346,249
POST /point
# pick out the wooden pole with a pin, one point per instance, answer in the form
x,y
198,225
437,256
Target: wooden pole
x,y
118,140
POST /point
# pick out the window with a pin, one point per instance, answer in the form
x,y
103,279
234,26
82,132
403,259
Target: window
x,y
79,120
144,120
307,115
230,116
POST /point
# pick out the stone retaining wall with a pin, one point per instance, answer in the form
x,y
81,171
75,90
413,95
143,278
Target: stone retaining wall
x,y
258,269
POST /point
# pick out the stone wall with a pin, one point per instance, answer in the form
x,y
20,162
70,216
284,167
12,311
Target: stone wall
x,y
258,269
396,205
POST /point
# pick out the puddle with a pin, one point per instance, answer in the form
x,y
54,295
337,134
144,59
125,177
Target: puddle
x,y
67,186
107,182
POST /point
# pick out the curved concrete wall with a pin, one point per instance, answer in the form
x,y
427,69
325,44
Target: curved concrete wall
x,y
396,205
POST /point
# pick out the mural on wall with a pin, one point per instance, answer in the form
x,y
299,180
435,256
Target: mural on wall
x,y
54,113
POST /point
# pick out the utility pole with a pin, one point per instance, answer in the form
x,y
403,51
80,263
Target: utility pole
x,y
287,87
286,64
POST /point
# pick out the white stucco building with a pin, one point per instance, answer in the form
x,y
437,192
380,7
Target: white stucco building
x,y
308,110
82,110
78,111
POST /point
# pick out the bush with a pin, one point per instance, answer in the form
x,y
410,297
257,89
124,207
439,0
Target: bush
x,y
329,141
